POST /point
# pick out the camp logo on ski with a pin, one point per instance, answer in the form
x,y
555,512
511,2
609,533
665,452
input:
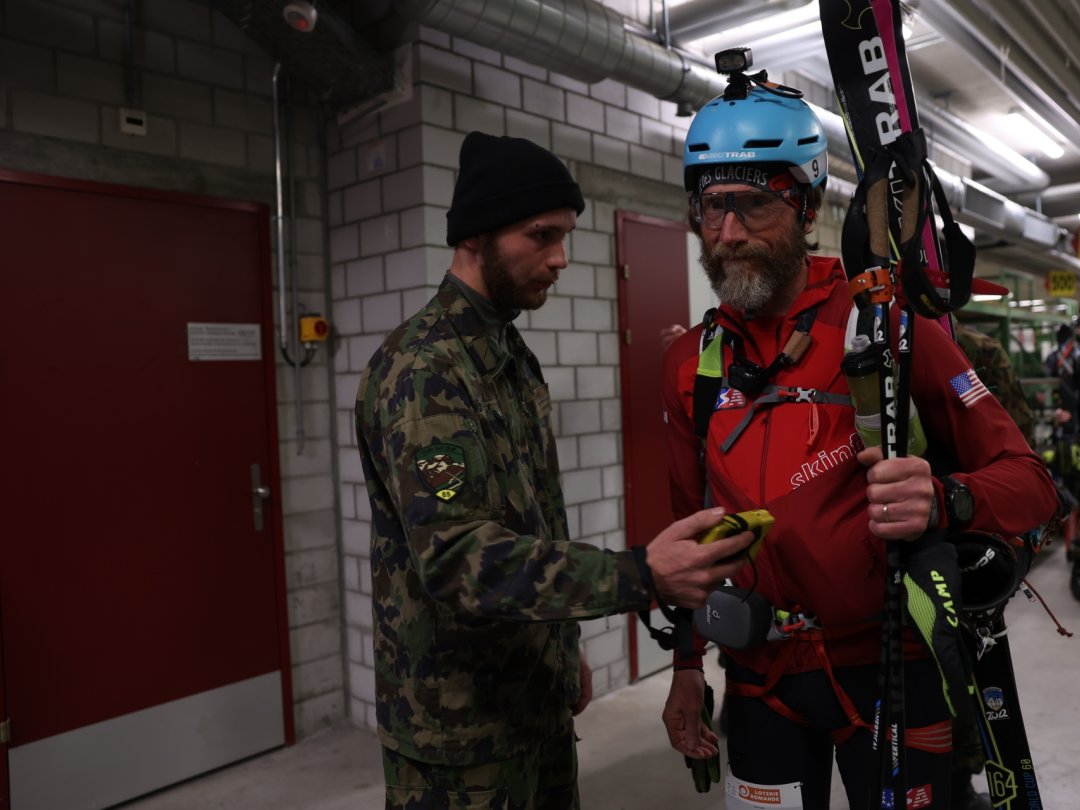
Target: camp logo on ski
x,y
442,469
730,398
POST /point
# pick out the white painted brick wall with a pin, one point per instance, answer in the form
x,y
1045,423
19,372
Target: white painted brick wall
x,y
572,143
577,348
622,124
594,314
560,383
577,279
579,417
495,84
599,449
476,113
584,112
422,225
596,382
544,100
362,277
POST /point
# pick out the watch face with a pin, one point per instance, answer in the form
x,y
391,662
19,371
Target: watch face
x,y
961,504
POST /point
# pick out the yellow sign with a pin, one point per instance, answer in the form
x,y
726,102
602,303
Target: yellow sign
x,y
1061,283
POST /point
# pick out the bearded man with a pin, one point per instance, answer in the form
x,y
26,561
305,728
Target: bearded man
x,y
758,415
476,585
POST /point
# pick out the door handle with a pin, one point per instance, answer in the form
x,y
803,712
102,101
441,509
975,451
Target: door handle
x,y
259,493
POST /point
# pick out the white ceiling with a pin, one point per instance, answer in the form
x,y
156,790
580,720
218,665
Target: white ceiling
x,y
967,64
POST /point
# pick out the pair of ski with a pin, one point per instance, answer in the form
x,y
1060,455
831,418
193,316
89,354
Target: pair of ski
x,y
895,257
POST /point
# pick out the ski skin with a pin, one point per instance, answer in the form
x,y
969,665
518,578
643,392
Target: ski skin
x,y
877,105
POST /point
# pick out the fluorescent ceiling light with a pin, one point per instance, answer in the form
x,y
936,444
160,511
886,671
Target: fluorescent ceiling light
x,y
785,26
1026,130
998,147
986,297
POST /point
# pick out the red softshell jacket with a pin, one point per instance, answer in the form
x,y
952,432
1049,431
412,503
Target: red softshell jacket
x,y
797,459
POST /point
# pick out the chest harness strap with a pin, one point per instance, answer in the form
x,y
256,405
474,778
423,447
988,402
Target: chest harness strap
x,y
712,390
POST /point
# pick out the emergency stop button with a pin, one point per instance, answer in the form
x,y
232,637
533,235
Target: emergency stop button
x,y
314,329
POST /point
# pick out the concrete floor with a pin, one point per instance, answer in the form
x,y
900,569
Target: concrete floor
x,y
626,763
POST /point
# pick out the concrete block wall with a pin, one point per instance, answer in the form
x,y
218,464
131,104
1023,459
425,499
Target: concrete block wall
x,y
206,89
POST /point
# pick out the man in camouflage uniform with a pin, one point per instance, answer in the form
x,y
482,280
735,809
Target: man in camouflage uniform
x,y
991,362
476,585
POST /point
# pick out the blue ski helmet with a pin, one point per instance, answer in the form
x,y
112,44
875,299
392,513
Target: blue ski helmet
x,y
763,128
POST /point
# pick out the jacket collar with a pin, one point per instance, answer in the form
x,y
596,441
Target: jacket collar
x,y
823,274
479,334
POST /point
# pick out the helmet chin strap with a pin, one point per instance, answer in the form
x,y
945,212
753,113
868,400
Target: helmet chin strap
x,y
807,214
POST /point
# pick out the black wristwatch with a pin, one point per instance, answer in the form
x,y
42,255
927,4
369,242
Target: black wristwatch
x,y
959,503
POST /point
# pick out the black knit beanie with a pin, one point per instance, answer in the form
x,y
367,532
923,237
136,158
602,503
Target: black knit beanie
x,y
503,180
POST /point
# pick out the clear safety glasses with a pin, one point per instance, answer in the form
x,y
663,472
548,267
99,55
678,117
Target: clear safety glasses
x,y
755,209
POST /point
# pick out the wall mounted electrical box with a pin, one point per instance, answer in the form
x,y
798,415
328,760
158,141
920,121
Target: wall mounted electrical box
x,y
314,328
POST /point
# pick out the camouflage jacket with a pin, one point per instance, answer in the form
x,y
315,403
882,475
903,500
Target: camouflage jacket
x,y
991,363
475,581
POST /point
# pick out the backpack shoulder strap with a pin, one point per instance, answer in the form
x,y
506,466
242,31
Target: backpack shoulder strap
x,y
710,373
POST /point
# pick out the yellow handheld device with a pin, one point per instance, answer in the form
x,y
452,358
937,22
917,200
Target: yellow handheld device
x,y
758,521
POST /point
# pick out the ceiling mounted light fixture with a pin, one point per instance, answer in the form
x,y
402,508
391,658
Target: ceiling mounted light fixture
x,y
1034,135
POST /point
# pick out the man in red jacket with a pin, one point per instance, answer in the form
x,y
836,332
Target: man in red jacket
x,y
777,431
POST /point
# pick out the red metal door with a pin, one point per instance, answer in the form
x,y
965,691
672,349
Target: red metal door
x,y
653,294
143,614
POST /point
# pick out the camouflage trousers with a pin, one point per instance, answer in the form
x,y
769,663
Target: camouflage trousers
x,y
543,778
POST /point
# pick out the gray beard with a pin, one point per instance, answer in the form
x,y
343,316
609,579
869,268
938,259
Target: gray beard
x,y
747,277
742,288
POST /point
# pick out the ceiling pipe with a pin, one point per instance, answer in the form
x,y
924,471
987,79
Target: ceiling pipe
x,y
1016,74
581,39
1013,173
1059,27
586,41
1062,190
700,18
1033,41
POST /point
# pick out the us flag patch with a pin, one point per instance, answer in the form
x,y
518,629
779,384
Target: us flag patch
x,y
730,398
968,387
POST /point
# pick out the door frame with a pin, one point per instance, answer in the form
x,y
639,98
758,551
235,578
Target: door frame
x,y
621,218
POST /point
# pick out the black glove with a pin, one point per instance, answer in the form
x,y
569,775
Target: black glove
x,y
705,771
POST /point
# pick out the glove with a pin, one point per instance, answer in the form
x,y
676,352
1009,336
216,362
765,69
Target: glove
x,y
705,771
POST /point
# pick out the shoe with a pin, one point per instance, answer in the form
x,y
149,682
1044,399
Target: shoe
x,y
965,798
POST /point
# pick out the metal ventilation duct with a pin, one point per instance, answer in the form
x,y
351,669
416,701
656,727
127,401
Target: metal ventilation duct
x,y
579,38
334,63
